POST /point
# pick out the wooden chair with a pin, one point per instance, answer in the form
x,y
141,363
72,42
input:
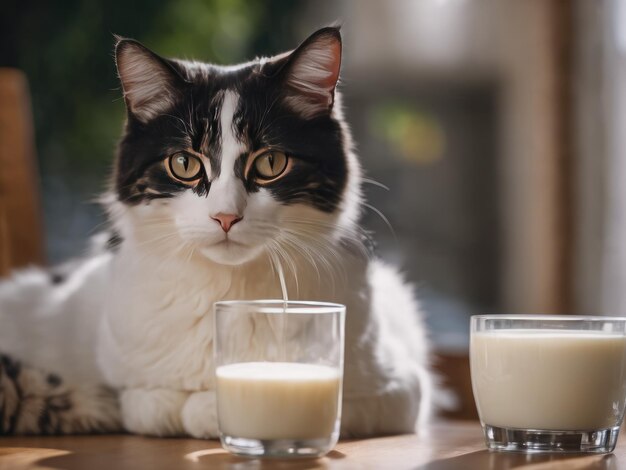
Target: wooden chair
x,y
21,228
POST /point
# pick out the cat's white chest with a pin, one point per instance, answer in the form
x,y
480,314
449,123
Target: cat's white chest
x,y
157,326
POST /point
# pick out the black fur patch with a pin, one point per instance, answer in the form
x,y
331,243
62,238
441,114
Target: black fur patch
x,y
54,405
114,241
262,120
54,380
11,395
11,367
56,278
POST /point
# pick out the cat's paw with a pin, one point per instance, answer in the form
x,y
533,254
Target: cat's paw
x,y
200,415
80,409
33,402
154,412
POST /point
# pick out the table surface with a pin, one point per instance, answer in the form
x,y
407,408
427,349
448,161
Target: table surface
x,y
443,446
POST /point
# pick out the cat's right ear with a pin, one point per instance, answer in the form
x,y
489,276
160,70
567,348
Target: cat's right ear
x,y
150,83
311,72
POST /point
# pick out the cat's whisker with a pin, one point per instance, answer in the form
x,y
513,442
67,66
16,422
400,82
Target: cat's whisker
x,y
292,265
262,125
192,250
177,119
306,225
307,252
275,262
269,254
278,271
282,253
351,236
99,227
352,232
326,250
160,239
167,253
373,182
294,239
382,216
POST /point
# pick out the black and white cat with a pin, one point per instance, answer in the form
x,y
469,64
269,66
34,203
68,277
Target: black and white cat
x,y
222,174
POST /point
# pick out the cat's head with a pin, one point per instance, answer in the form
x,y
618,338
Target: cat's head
x,y
235,161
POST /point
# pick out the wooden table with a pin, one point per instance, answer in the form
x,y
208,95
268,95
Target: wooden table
x,y
446,446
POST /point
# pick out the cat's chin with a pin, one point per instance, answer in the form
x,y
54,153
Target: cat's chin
x,y
231,254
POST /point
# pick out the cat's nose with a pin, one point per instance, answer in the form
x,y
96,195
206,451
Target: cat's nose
x,y
226,220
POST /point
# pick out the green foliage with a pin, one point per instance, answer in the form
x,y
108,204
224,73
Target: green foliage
x,y
217,31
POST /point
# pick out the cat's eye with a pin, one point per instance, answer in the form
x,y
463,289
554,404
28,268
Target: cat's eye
x,y
185,167
270,166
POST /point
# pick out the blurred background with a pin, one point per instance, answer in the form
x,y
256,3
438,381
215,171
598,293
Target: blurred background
x,y
496,125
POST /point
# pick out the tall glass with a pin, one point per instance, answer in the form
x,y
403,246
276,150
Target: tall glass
x,y
279,372
549,383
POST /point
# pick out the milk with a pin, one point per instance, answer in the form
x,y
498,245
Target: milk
x,y
549,379
278,400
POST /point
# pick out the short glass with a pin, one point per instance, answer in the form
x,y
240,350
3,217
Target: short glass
x,y
549,383
279,373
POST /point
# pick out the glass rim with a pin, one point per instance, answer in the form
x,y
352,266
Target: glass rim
x,y
275,306
598,318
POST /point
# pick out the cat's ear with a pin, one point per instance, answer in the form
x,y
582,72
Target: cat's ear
x,y
149,82
311,73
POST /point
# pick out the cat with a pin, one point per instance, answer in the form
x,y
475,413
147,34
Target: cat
x,y
222,174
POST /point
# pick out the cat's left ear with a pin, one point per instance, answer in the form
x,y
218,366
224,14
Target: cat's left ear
x,y
311,73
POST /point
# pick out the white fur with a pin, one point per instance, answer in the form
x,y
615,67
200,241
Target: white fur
x,y
53,327
141,320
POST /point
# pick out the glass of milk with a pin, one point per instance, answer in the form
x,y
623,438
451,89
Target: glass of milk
x,y
279,371
549,383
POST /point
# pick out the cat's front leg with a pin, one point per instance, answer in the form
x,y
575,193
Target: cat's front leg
x,y
200,415
154,412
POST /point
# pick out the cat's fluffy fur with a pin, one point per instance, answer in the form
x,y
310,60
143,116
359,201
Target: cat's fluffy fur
x,y
137,317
